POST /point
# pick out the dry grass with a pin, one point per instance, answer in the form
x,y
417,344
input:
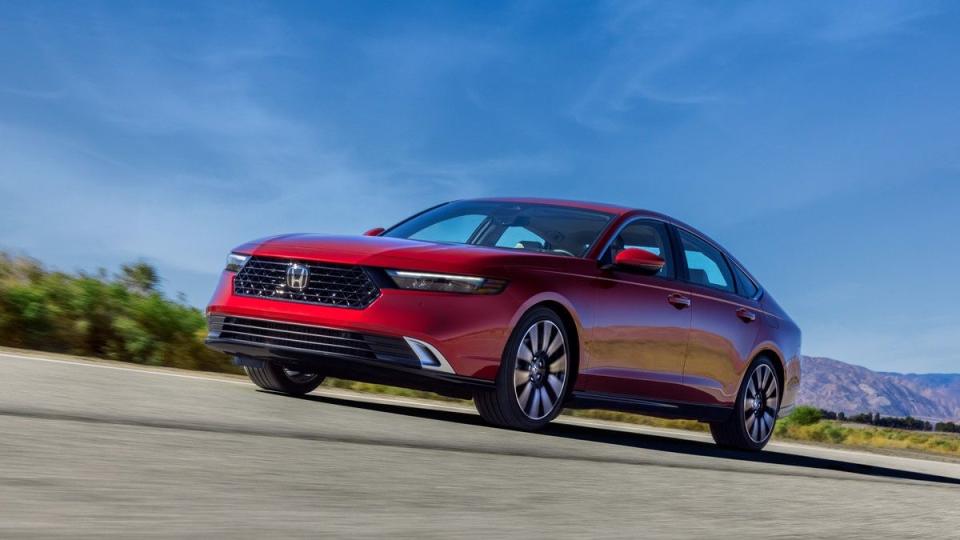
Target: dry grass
x,y
830,431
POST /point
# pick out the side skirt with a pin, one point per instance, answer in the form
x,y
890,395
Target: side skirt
x,y
662,409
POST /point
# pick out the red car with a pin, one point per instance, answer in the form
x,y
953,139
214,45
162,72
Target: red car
x,y
525,305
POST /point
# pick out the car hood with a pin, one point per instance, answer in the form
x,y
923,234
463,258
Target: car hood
x,y
397,253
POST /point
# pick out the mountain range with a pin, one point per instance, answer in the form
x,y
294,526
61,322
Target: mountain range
x,y
837,386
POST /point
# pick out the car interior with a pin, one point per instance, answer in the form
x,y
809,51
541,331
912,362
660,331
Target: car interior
x,y
540,228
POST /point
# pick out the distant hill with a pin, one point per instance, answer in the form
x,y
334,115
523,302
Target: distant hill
x,y
841,387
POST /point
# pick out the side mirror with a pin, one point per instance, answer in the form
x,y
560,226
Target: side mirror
x,y
639,260
374,232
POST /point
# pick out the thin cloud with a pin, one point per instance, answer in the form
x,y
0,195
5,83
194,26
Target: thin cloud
x,y
651,41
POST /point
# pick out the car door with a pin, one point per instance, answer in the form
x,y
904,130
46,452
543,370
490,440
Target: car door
x,y
638,339
724,325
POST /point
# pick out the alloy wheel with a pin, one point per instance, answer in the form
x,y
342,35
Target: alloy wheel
x,y
541,370
299,377
761,402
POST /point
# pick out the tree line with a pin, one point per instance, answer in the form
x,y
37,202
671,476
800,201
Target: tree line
x,y
874,419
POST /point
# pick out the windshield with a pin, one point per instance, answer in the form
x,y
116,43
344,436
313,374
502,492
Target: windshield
x,y
531,227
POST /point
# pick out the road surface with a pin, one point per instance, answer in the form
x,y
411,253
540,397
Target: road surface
x,y
102,450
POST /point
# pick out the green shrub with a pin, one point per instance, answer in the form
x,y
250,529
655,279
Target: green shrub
x,y
804,416
835,434
123,318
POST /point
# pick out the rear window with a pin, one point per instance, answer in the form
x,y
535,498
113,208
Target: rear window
x,y
746,286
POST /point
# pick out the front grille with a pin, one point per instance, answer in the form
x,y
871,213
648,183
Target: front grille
x,y
313,339
328,284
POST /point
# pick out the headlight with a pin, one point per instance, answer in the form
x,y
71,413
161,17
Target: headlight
x,y
235,262
425,281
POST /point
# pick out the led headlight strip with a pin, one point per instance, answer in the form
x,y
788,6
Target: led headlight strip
x,y
427,281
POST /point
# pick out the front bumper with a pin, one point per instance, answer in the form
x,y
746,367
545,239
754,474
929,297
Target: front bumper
x,y
338,352
278,338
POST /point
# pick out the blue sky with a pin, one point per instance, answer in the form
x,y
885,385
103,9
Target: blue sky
x,y
818,141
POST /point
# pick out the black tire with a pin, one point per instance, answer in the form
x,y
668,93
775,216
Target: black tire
x,y
501,405
733,432
277,379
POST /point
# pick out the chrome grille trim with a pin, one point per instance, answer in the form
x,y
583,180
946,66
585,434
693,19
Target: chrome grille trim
x,y
329,284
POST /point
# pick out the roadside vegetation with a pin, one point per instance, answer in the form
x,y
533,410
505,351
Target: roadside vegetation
x,y
808,424
120,317
125,317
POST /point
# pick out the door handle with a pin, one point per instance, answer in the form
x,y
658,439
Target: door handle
x,y
746,315
679,301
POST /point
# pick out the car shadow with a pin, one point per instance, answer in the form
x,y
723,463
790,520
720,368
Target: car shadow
x,y
648,442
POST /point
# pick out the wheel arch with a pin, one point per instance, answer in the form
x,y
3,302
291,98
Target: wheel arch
x,y
776,359
565,310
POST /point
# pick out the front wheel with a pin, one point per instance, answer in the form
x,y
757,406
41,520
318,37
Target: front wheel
x,y
534,374
280,379
758,403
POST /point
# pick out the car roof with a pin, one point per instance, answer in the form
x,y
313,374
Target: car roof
x,y
615,209
583,205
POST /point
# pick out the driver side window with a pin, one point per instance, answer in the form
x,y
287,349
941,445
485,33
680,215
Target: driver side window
x,y
647,235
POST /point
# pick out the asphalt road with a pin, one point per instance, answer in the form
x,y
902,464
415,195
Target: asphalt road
x,y
110,450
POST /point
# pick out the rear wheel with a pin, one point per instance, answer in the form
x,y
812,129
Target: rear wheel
x,y
758,403
534,374
281,379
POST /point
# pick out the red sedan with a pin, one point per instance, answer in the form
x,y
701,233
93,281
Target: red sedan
x,y
527,306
